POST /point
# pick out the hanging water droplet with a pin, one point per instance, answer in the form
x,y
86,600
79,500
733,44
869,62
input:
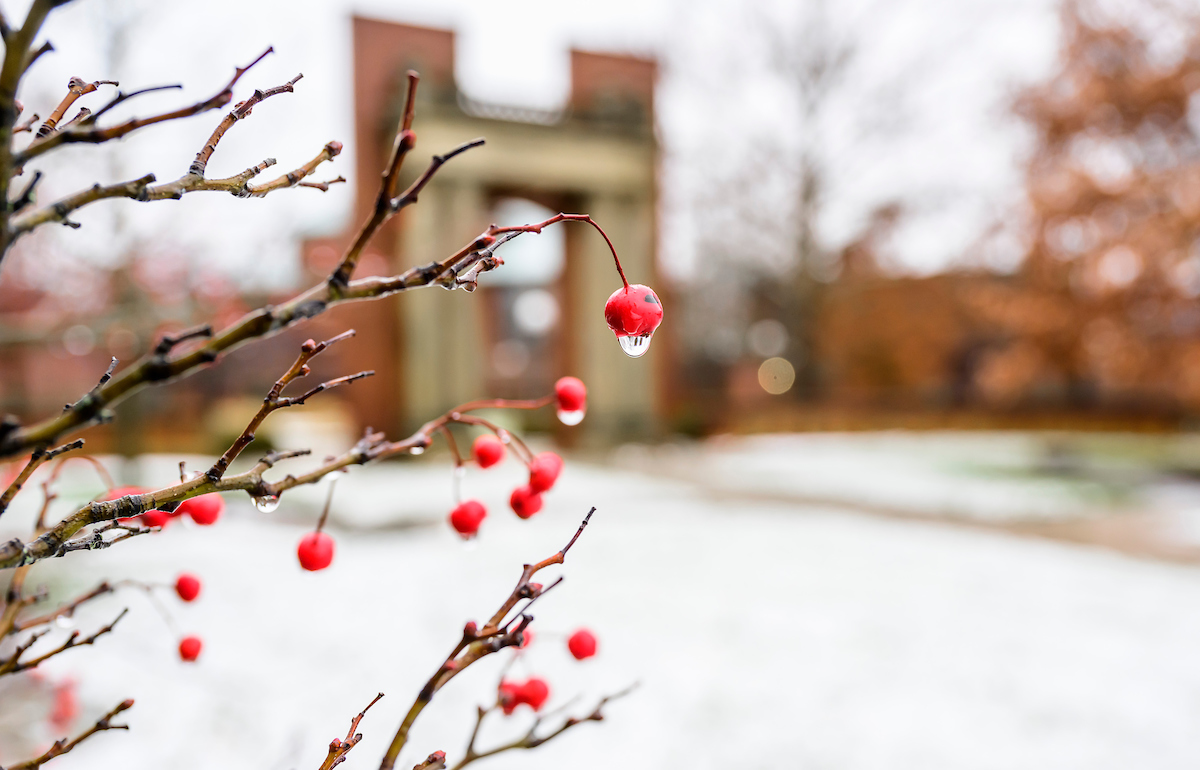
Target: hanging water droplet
x,y
266,503
635,347
460,471
570,418
505,437
417,450
62,621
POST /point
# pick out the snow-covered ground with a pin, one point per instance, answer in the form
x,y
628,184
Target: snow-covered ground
x,y
765,632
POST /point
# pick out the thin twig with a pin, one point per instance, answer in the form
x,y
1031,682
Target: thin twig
x,y
477,643
35,461
64,745
338,749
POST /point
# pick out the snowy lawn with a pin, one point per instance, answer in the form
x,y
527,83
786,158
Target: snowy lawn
x,y
765,634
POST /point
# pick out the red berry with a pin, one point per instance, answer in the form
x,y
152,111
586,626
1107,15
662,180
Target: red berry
x,y
155,518
582,644
507,695
525,502
189,648
467,517
526,639
534,692
633,311
188,587
315,551
487,450
204,510
571,394
544,471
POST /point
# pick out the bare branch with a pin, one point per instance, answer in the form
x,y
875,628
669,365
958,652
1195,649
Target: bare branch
x,y
372,447
14,663
293,178
477,643
35,461
531,739
61,747
338,749
76,88
322,186
65,611
242,110
90,133
275,400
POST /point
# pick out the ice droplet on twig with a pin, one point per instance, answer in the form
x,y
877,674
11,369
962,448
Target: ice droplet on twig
x,y
635,347
266,503
570,418
417,450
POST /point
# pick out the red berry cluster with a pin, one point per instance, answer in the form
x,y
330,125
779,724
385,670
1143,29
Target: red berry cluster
x,y
533,692
570,395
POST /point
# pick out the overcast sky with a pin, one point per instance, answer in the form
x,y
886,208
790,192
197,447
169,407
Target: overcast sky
x,y
944,143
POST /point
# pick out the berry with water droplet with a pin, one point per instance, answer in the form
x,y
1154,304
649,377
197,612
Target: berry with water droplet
x,y
467,517
488,450
204,510
582,644
189,648
544,471
571,395
633,313
315,551
534,692
266,503
188,587
525,501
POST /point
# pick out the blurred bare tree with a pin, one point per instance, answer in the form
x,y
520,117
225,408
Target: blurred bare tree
x,y
1103,309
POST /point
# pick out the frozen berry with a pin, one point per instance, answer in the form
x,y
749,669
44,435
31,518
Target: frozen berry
x,y
633,313
315,551
571,395
204,510
582,644
534,692
544,471
189,648
487,450
467,517
525,502
188,587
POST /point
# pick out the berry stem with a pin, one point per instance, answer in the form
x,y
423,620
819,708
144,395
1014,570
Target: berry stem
x,y
566,218
328,505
